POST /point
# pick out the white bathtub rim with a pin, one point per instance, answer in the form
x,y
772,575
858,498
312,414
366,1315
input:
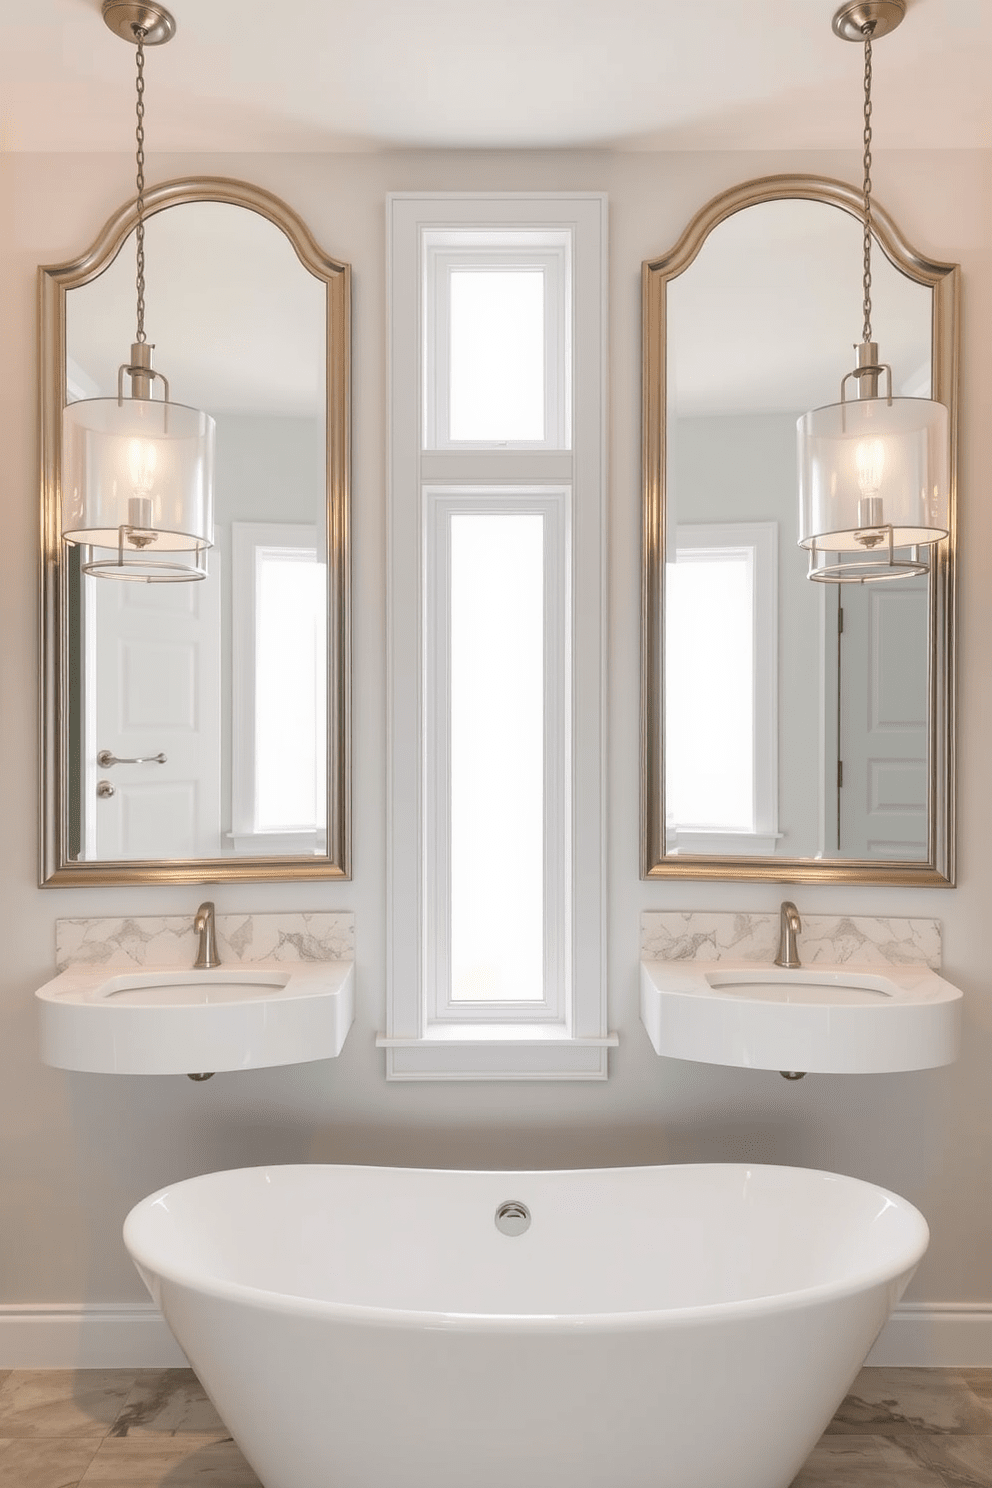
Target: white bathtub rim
x,y
898,1268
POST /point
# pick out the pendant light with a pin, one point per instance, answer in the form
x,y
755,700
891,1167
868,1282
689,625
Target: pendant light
x,y
874,470
137,470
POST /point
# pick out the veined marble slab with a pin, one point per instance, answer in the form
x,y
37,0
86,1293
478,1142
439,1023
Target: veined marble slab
x,y
708,935
169,940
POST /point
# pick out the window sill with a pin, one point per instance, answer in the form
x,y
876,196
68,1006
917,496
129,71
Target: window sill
x,y
726,844
496,1051
269,844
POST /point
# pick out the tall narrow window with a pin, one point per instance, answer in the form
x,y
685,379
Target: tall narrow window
x,y
496,948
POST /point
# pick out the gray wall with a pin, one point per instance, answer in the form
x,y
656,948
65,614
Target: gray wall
x,y
78,1150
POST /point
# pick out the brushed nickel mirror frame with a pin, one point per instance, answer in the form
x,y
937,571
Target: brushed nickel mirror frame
x,y
944,281
57,868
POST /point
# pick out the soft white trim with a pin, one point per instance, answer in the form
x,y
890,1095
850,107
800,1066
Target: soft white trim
x,y
133,1335
101,1335
937,1335
410,217
547,250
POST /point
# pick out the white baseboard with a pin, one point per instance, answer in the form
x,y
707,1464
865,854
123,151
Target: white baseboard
x,y
110,1335
104,1335
937,1335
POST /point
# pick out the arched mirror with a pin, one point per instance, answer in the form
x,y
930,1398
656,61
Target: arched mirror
x,y
199,731
791,731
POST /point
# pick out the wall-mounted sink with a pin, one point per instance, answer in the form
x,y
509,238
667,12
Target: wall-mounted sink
x,y
831,1019
173,1020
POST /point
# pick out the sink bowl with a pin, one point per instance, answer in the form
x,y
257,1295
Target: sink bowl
x,y
172,1020
829,1019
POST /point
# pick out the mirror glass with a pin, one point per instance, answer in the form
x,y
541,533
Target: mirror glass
x,y
793,729
200,724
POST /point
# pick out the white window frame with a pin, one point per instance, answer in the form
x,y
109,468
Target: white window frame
x,y
554,506
447,252
426,1037
758,543
248,540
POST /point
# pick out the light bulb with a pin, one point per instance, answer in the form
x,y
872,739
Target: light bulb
x,y
142,459
870,460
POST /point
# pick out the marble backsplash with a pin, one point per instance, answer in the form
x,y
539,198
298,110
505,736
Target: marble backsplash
x,y
169,940
708,935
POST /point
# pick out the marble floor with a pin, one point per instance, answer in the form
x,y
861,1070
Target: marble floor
x,y
154,1428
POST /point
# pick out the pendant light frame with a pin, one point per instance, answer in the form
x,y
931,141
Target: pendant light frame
x,y
874,471
137,471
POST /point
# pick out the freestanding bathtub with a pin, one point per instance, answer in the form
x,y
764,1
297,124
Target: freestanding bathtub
x,y
665,1327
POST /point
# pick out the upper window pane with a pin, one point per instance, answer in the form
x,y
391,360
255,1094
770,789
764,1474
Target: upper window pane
x,y
497,338
497,377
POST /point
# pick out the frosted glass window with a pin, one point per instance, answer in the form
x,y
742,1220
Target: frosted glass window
x,y
289,650
497,756
497,378
709,691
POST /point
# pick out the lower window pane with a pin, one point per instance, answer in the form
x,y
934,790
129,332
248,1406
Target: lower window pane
x,y
497,756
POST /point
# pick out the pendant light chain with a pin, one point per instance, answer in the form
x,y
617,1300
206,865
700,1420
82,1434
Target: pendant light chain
x,y
139,135
866,334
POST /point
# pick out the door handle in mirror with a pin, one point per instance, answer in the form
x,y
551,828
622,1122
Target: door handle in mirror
x,y
106,758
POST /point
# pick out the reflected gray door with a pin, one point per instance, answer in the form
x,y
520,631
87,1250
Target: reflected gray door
x,y
883,689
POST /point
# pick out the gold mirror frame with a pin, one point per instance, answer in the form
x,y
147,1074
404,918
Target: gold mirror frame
x,y
57,868
943,280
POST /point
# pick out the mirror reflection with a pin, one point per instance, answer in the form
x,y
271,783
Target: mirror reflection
x,y
202,720
790,725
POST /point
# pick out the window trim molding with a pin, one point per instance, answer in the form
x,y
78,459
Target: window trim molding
x,y
575,1045
553,504
507,252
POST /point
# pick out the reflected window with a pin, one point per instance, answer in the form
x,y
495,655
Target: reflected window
x,y
279,598
720,687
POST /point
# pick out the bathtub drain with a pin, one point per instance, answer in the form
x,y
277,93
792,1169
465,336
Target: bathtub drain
x,y
512,1217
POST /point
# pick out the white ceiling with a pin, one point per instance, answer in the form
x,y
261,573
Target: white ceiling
x,y
355,75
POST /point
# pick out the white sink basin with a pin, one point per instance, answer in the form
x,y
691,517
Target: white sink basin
x,y
830,1019
170,1020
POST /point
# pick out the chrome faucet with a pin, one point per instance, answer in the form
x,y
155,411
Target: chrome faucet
x,y
791,924
206,929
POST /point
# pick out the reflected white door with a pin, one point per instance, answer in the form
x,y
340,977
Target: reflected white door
x,y
883,720
152,686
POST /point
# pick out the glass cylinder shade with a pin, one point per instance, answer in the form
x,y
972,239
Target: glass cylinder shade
x,y
874,475
137,476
